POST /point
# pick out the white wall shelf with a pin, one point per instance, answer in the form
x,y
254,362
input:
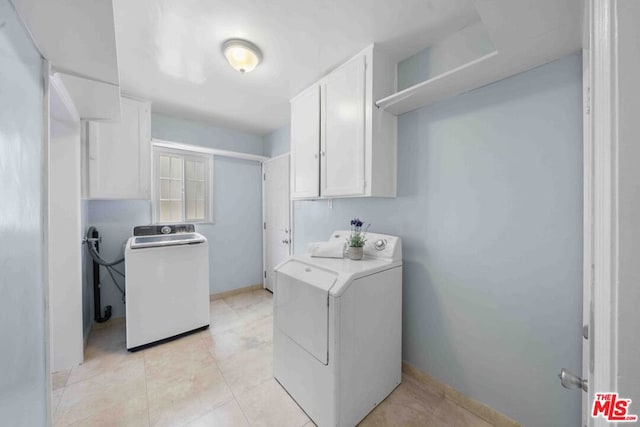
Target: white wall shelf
x,y
451,83
523,38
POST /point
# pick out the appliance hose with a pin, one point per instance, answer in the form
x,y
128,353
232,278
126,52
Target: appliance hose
x,y
94,253
109,265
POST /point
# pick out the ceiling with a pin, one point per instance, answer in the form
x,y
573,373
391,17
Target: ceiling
x,y
169,51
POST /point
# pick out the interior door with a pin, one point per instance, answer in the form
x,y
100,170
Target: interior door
x,y
342,138
583,381
277,231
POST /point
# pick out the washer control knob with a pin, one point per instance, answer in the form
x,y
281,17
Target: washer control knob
x,y
165,230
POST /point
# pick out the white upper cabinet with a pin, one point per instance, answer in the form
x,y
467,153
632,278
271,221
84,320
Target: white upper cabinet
x,y
342,136
305,144
118,155
341,144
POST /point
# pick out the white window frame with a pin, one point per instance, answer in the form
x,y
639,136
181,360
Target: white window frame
x,y
186,152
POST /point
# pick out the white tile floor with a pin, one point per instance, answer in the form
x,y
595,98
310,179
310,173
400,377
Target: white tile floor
x,y
218,377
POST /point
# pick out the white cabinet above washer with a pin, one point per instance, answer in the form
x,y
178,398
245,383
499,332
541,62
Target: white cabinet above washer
x,y
342,145
117,158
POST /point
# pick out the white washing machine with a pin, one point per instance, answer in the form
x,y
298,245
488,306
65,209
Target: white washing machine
x,y
167,283
338,330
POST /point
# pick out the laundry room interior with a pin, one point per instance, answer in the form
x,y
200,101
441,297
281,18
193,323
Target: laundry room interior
x,y
298,213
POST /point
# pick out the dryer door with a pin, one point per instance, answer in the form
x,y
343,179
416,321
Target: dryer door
x,y
302,306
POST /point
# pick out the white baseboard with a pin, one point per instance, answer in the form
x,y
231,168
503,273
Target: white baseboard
x,y
225,294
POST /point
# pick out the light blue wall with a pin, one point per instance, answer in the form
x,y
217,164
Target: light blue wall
x,y
459,48
23,381
114,220
489,207
235,239
188,132
277,142
414,69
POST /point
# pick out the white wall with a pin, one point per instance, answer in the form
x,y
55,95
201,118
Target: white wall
x,y
24,389
65,281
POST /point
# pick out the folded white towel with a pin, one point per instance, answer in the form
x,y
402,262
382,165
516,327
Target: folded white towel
x,y
332,249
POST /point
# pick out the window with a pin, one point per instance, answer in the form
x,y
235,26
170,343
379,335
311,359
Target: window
x,y
183,185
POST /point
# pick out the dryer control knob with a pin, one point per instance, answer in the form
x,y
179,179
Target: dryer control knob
x,y
380,244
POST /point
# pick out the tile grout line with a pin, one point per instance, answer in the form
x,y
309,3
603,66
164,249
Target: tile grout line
x,y
64,388
235,399
200,338
231,308
250,292
55,410
146,389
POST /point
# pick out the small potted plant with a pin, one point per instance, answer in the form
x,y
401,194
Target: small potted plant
x,y
356,240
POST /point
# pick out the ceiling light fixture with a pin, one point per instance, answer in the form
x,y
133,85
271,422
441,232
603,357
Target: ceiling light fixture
x,y
242,55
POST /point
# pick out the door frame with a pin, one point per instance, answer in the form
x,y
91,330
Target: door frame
x,y
264,214
52,87
601,260
46,123
62,111
587,221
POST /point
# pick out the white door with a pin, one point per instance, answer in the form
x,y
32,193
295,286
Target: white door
x,y
305,144
343,121
574,379
277,229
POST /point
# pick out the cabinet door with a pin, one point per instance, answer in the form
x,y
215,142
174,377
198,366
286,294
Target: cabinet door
x,y
343,133
119,154
305,144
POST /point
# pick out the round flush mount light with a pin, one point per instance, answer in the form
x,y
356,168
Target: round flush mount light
x,y
242,55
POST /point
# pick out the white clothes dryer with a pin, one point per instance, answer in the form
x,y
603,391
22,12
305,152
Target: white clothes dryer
x,y
338,330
